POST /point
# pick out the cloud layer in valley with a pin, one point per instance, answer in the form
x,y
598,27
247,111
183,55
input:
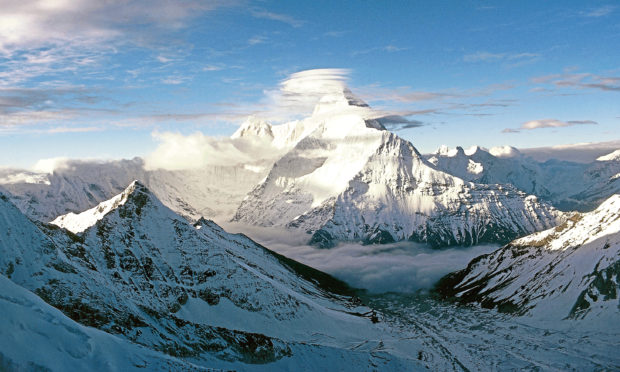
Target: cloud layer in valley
x,y
400,267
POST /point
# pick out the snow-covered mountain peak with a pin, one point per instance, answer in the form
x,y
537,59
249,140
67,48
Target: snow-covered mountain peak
x,y
254,127
77,223
610,157
337,100
475,149
444,150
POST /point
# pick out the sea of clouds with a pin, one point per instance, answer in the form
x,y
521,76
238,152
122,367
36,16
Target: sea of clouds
x,y
399,267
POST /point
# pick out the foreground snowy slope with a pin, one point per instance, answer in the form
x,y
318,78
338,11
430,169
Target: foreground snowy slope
x,y
145,274
350,179
36,336
130,277
566,185
571,271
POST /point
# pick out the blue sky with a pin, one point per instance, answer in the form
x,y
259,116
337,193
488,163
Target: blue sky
x,y
86,79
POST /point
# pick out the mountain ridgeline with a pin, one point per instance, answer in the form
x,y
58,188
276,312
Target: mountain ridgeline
x,y
570,271
135,269
340,175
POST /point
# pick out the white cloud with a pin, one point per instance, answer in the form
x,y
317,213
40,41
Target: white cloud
x,y
51,164
548,123
512,59
212,68
292,21
483,56
579,152
177,151
553,123
40,38
388,48
32,24
600,12
401,267
164,59
257,40
73,129
583,80
175,80
300,92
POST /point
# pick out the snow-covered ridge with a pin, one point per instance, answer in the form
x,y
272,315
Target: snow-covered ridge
x,y
613,156
254,126
77,223
40,337
570,271
145,274
567,186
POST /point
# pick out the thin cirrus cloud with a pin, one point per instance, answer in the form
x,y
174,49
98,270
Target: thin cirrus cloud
x,y
257,40
580,81
387,48
30,106
56,41
483,56
279,17
600,11
548,123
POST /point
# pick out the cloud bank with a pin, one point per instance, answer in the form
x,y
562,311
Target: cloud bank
x,y
178,152
401,267
578,152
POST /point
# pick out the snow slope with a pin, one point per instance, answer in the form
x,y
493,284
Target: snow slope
x,y
566,185
571,271
36,336
350,179
145,274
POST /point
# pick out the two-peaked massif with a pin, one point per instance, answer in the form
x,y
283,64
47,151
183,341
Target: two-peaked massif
x,y
570,271
350,179
138,270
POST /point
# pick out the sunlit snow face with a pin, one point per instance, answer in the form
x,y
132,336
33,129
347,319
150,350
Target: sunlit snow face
x,y
400,267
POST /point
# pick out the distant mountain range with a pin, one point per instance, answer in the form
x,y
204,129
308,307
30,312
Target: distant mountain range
x,y
567,186
340,175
